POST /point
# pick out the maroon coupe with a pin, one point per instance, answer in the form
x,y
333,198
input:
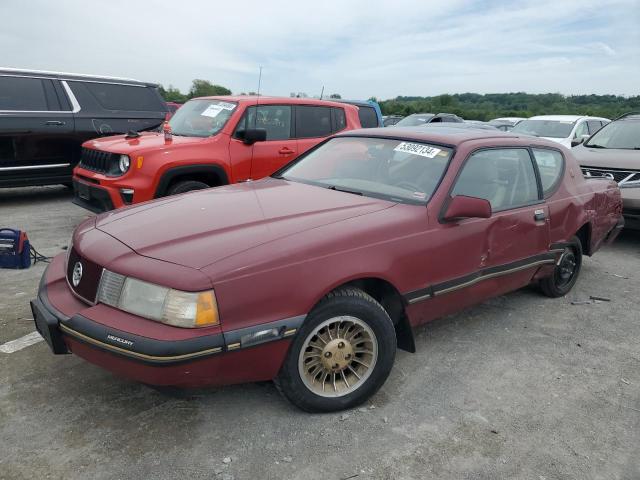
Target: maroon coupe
x,y
313,277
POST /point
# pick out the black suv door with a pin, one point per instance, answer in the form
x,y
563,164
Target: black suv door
x,y
36,131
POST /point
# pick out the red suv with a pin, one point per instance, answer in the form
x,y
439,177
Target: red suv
x,y
213,141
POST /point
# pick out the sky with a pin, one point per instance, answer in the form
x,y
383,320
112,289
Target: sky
x,y
356,48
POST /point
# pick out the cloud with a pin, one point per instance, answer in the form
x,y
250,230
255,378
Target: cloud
x,y
357,48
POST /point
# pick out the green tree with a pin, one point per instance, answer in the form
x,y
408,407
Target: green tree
x,y
335,95
172,94
204,88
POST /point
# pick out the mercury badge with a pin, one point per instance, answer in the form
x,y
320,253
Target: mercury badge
x,y
77,274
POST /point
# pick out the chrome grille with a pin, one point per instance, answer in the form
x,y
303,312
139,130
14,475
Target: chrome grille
x,y
110,288
621,177
96,160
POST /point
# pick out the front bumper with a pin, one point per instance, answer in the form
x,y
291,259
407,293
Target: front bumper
x,y
92,197
631,207
197,358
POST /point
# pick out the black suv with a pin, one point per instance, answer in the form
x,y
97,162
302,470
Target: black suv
x,y
45,117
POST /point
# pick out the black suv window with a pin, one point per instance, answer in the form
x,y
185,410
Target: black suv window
x,y
275,119
313,121
112,96
22,93
368,117
504,176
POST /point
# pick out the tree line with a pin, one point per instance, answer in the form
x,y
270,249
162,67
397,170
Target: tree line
x,y
471,106
474,106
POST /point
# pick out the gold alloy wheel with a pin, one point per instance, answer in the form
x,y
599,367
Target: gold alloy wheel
x,y
338,356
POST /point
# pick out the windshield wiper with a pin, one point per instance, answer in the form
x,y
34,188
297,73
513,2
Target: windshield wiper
x,y
595,145
337,189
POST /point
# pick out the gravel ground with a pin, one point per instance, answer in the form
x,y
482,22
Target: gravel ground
x,y
519,387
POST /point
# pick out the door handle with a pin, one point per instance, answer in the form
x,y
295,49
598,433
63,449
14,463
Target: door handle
x,y
286,151
54,122
539,215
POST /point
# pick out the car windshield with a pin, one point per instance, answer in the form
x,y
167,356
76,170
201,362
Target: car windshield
x,y
415,120
395,170
201,118
545,128
622,134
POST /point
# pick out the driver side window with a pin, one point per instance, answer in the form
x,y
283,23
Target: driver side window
x,y
275,119
503,176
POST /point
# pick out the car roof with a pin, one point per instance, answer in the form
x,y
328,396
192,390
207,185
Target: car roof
x,y
445,135
507,119
565,118
265,99
359,103
6,71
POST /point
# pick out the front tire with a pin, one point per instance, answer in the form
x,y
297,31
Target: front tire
x,y
566,271
341,356
186,186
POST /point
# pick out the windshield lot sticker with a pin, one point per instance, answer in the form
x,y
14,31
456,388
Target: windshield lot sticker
x,y
417,149
227,105
212,111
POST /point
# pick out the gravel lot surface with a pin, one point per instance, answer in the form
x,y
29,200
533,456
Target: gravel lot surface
x,y
519,387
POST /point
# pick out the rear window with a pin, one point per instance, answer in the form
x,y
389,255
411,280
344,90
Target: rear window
x,y
545,128
21,93
368,117
122,97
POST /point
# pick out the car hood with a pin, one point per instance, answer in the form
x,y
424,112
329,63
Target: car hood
x,y
145,142
200,228
607,157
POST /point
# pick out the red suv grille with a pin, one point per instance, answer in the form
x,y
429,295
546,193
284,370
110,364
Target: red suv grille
x,y
96,160
87,287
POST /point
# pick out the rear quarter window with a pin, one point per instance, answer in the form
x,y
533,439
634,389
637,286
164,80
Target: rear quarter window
x,y
551,165
111,96
368,117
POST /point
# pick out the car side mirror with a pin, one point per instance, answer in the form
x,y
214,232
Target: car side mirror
x,y
581,139
253,135
461,207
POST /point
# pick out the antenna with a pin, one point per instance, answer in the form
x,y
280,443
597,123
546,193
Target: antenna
x,y
259,80
322,92
255,115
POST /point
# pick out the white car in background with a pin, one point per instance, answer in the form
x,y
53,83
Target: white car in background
x,y
568,130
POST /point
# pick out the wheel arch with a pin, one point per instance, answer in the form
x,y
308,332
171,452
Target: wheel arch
x,y
212,174
584,235
385,293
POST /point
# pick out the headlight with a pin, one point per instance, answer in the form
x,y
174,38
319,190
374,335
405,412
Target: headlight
x,y
173,307
124,163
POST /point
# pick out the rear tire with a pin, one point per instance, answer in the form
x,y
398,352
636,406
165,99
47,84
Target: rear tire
x,y
566,271
341,355
186,186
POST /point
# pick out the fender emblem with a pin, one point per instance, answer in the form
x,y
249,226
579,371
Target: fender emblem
x,y
123,341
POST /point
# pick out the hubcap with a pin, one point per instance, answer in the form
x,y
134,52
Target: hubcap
x,y
566,268
338,356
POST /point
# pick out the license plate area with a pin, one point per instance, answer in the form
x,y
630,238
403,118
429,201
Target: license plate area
x,y
83,191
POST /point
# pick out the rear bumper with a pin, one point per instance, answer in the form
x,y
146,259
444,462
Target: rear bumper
x,y
196,359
